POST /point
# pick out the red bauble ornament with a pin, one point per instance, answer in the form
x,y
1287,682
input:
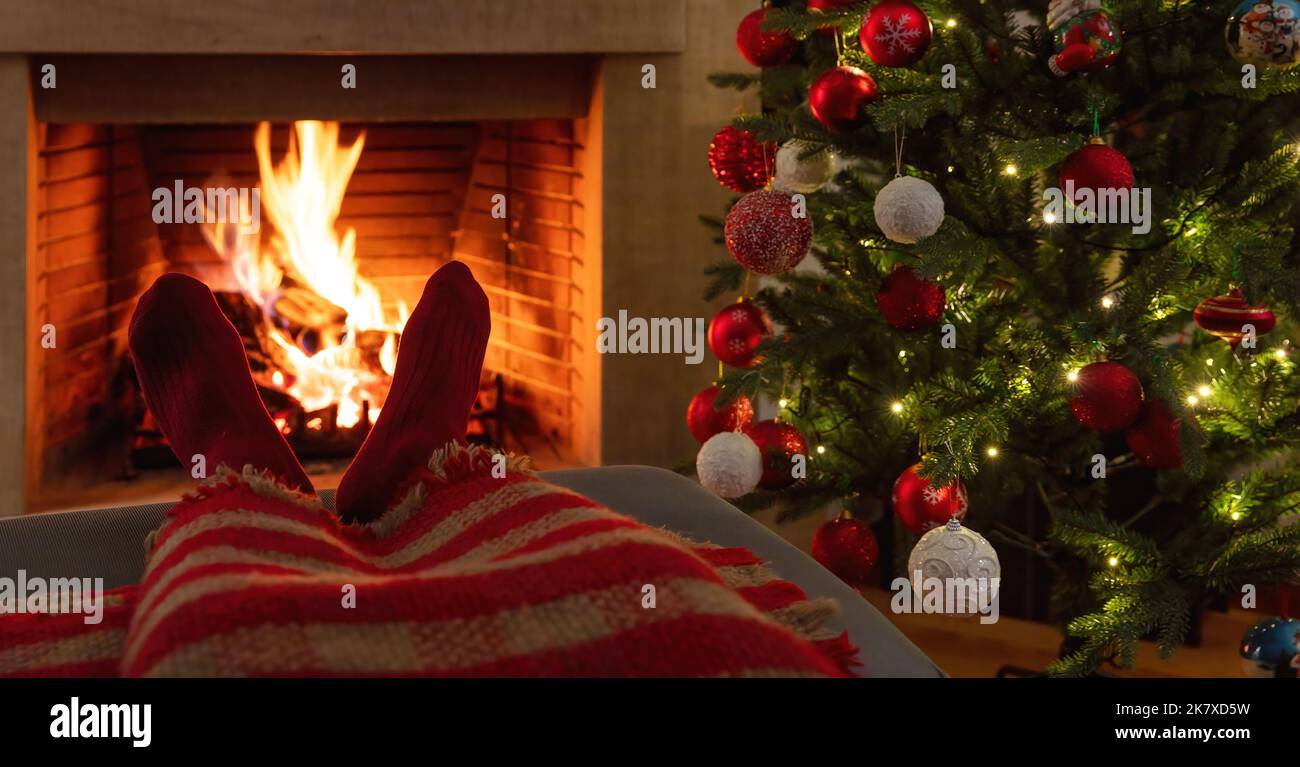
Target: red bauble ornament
x,y
895,33
764,235
778,443
736,331
739,161
763,49
846,547
1108,397
704,420
1225,316
1095,166
838,97
922,506
1154,437
909,302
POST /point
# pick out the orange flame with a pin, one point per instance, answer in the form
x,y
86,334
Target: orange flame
x,y
302,197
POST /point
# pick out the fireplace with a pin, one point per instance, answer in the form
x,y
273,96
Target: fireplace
x,y
527,146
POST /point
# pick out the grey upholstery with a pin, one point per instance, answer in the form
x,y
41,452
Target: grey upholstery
x,y
109,543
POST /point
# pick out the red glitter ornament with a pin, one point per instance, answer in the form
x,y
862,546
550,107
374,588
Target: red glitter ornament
x,y
764,235
909,302
1108,397
778,443
838,97
923,506
895,33
735,332
846,547
1095,166
1225,317
763,49
739,161
704,420
1154,437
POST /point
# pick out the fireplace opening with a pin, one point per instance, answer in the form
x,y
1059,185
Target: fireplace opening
x,y
317,238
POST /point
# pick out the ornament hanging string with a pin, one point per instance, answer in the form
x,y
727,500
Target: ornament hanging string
x,y
898,151
1096,122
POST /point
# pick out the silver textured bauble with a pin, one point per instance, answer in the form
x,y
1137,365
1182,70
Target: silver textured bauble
x,y
953,551
908,209
805,175
729,464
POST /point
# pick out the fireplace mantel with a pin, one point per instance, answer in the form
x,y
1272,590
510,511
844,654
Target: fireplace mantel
x,y
352,26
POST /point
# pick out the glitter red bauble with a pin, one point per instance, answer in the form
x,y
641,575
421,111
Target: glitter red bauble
x,y
778,443
846,547
922,506
1154,437
1095,166
735,332
909,302
838,97
739,161
764,234
763,49
895,33
1225,316
704,420
1107,397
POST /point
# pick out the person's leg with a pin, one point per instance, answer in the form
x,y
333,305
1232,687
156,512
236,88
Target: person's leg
x,y
196,381
439,363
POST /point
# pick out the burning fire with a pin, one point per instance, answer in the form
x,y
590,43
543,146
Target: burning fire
x,y
307,263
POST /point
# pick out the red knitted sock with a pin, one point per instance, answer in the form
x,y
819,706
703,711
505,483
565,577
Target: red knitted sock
x,y
434,387
195,377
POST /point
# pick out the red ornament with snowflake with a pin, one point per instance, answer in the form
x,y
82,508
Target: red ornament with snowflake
x,y
895,33
760,48
765,234
847,547
739,161
704,419
922,506
736,331
778,443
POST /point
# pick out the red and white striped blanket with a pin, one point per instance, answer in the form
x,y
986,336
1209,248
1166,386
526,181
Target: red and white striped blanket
x,y
469,575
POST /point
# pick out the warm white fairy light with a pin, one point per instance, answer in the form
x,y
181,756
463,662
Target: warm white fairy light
x,y
952,23
1236,516
1279,353
1193,400
781,403
1010,169
1072,376
992,452
897,407
821,450
1107,302
1049,217
1113,561
1203,390
1209,362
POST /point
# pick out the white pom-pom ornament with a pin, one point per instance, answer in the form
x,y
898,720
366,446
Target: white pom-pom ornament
x,y
804,175
908,209
729,464
954,551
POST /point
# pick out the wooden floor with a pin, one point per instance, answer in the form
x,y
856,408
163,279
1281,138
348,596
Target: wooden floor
x,y
964,647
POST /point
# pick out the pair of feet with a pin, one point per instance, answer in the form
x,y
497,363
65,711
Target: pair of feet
x,y
196,381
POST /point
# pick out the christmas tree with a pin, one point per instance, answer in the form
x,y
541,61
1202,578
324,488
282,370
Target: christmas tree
x,y
1040,346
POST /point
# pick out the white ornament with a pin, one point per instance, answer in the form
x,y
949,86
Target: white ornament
x,y
729,464
908,209
803,175
954,551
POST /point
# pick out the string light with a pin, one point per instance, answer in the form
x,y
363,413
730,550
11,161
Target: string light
x,y
1193,400
952,23
1280,353
1209,362
1113,561
821,450
1049,217
952,168
1236,516
1010,170
1072,376
1204,390
781,403
897,407
1107,302
993,452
